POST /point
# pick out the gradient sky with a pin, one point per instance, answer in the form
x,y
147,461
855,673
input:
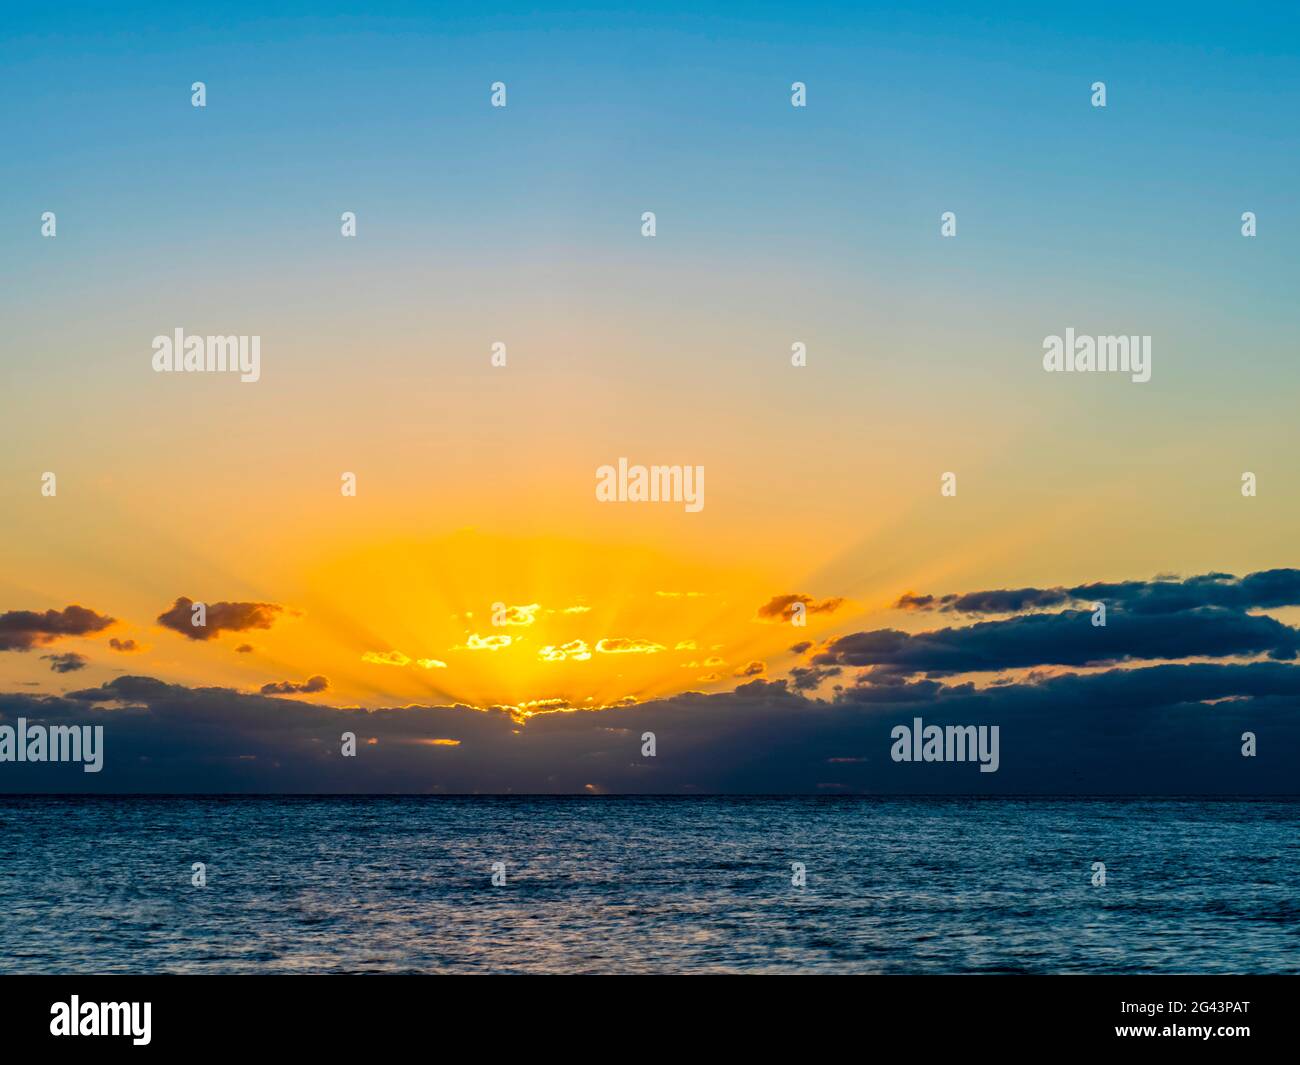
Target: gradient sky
x,y
522,225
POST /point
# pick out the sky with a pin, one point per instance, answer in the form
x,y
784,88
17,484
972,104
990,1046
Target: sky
x,y
475,589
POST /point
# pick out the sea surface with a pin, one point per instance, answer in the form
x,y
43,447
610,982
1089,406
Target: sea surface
x,y
626,885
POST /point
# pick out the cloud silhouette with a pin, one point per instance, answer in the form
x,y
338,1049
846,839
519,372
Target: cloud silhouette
x,y
21,630
221,617
68,662
1065,639
289,687
1267,589
1156,701
781,607
1162,729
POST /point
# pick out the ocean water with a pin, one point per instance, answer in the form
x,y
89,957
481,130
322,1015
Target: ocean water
x,y
935,885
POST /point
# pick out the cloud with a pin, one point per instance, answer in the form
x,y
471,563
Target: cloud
x,y
574,650
912,601
21,630
386,658
514,615
485,643
1065,639
126,647
1264,590
430,663
753,669
621,645
806,678
1000,601
782,606
221,617
68,662
1162,729
289,687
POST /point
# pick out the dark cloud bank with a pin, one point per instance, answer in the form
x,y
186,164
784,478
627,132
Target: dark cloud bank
x,y
1264,590
1166,729
1155,702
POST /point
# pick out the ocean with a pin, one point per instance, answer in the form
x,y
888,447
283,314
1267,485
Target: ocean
x,y
640,884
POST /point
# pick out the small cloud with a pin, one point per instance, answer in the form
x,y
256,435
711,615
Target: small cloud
x,y
430,663
715,661
576,610
912,601
681,595
622,645
546,705
127,647
244,649
220,617
386,658
753,669
289,687
782,606
21,630
515,615
806,678
66,663
484,643
686,645
574,650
